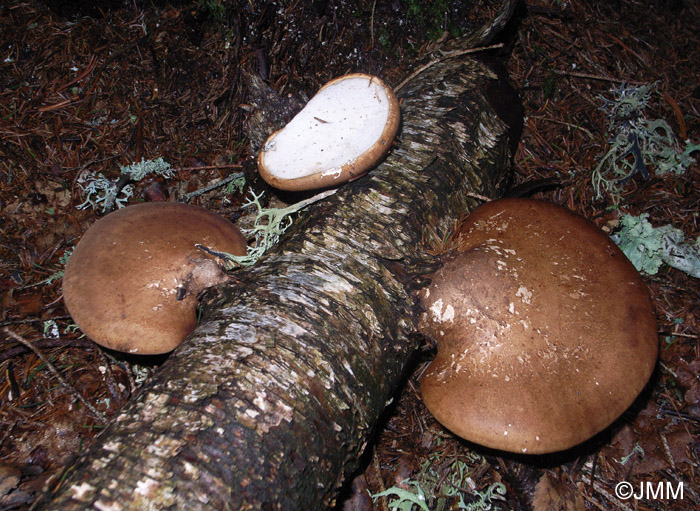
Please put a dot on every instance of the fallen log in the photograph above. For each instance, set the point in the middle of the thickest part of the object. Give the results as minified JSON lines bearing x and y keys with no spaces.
{"x":271,"y":401}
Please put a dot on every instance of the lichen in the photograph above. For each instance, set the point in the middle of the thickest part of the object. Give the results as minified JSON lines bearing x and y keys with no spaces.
{"x":138,"y":170}
{"x":100,"y":190}
{"x":269,"y":225}
{"x":648,"y":247}
{"x":635,"y":142}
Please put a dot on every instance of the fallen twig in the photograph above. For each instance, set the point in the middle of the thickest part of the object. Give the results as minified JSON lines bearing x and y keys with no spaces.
{"x":213,"y":186}
{"x":444,"y":57}
{"x":93,"y":411}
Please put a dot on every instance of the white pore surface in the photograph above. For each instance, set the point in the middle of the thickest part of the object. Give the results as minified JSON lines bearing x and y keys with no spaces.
{"x":340,"y":123}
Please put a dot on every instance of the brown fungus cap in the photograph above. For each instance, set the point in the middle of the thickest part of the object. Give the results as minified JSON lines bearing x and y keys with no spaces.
{"x":132,"y":281}
{"x":546,"y":333}
{"x":341,"y":133}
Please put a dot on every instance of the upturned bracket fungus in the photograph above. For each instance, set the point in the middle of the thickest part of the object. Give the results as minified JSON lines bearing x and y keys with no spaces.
{"x":132,"y":281}
{"x":545,"y":331}
{"x":341,"y":133}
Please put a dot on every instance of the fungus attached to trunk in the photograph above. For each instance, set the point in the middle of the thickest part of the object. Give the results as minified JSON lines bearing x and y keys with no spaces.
{"x":342,"y":132}
{"x":545,"y":331}
{"x":132,"y":281}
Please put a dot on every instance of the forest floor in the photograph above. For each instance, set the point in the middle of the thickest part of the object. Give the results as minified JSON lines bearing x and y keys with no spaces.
{"x":87,"y":87}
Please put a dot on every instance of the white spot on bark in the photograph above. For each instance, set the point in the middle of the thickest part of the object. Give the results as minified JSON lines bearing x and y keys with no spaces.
{"x":146,"y":487}
{"x":80,"y":491}
{"x":111,"y":446}
{"x":101,"y":505}
{"x":260,"y":400}
{"x":347,"y":367}
{"x":190,"y":469}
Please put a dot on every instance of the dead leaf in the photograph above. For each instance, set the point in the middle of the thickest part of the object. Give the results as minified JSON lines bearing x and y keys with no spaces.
{"x":679,"y":442}
{"x":29,"y":303}
{"x":553,"y":495}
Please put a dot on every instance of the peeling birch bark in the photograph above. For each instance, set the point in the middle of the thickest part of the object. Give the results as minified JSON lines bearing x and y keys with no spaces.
{"x":271,"y":401}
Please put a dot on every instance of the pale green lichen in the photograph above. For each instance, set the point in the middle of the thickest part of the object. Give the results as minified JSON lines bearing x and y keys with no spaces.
{"x":405,"y":500}
{"x":442,"y":486}
{"x":236,"y":185}
{"x":137,"y":171}
{"x":648,"y":247}
{"x":635,"y":142}
{"x":637,"y":450}
{"x":51,"y":329}
{"x":269,"y":225}
{"x":63,"y":260}
{"x":100,"y":190}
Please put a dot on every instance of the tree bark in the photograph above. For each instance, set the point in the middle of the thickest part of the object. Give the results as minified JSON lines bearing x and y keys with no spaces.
{"x":271,"y":401}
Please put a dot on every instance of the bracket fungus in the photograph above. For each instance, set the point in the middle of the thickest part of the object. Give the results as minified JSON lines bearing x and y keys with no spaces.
{"x":341,"y":133}
{"x":545,"y":331}
{"x":132,"y":281}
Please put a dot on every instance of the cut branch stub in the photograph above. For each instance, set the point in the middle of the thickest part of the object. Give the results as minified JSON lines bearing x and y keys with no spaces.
{"x":545,"y":331}
{"x":343,"y":131}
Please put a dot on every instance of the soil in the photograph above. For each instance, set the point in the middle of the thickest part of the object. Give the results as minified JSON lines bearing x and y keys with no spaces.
{"x":89,"y":87}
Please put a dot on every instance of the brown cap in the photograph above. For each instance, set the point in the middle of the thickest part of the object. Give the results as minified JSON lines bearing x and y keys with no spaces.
{"x":342,"y":132}
{"x":132,"y":281}
{"x":545,"y":331}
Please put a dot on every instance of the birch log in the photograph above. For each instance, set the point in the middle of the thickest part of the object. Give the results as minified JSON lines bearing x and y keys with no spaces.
{"x":271,"y":401}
